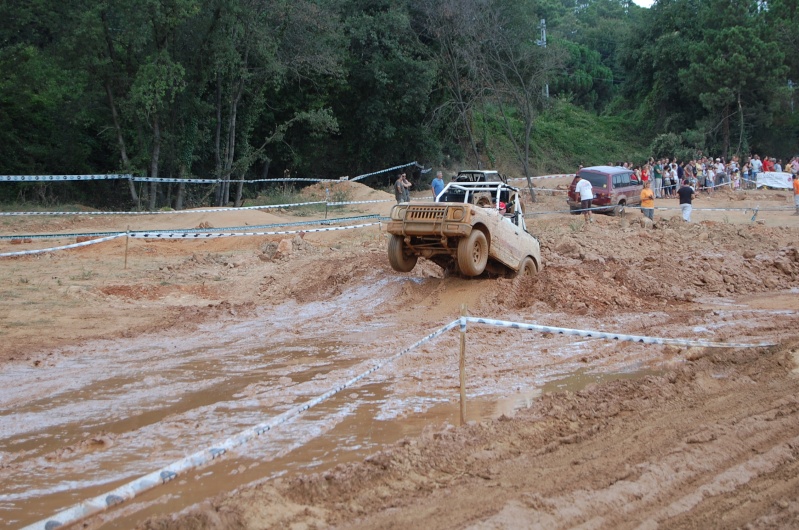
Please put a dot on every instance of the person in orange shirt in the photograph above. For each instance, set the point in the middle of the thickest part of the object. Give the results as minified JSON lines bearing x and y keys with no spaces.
{"x":648,"y":200}
{"x":796,"y":193}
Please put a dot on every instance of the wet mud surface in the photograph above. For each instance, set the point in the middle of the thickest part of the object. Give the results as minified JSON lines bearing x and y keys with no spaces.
{"x":109,"y":373}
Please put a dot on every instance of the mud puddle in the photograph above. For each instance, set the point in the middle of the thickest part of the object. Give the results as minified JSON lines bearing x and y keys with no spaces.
{"x":100,"y":424}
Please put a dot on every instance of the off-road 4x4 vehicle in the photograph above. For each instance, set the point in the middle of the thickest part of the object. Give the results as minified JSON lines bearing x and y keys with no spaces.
{"x":465,"y":229}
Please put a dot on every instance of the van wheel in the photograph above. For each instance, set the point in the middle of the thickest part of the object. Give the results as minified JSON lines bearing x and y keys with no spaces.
{"x":527,"y":268}
{"x":618,"y":210}
{"x":473,"y":253}
{"x":400,"y":261}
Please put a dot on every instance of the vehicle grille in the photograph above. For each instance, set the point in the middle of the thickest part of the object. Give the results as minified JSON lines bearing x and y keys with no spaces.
{"x":425,"y":214}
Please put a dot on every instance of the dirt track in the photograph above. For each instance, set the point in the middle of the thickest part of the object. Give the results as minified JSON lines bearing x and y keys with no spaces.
{"x":109,"y":373}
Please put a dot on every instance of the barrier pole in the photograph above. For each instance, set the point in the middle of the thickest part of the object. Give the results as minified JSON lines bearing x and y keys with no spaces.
{"x":462,"y":363}
{"x":127,"y":241}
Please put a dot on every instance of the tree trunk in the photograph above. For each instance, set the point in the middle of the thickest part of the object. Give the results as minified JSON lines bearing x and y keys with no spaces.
{"x":154,"y":162}
{"x":726,"y":132}
{"x":230,"y":148}
{"x":181,"y":193}
{"x":218,"y":141}
{"x":239,"y":192}
{"x":123,"y":152}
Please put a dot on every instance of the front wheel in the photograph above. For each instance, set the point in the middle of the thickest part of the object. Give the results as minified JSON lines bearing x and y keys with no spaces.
{"x":400,"y":261}
{"x":473,"y":253}
{"x":527,"y":268}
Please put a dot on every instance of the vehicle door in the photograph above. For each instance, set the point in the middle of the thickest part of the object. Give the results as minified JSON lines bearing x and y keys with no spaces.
{"x":509,"y":239}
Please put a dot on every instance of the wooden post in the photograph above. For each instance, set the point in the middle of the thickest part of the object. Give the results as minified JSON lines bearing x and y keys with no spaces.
{"x":462,"y":366}
{"x":127,"y":240}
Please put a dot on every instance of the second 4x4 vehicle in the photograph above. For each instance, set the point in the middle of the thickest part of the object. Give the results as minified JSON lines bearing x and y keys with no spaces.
{"x":614,"y":187}
{"x":471,"y":227}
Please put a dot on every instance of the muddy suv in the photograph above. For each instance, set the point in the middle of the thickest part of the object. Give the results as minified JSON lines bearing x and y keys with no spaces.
{"x":471,"y":227}
{"x":614,"y":187}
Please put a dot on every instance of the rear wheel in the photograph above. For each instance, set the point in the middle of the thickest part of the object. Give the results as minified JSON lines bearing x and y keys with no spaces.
{"x":527,"y":268}
{"x":397,"y":256}
{"x":473,"y":253}
{"x":618,"y":209}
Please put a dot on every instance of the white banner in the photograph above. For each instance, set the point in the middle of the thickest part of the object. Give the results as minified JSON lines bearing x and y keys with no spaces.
{"x":772,"y":179}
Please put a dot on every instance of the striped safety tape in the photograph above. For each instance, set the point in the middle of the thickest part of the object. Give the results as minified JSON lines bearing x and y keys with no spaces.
{"x":218,"y":181}
{"x":65,"y":247}
{"x":212,"y":235}
{"x":186,"y":235}
{"x":223,"y":229}
{"x":613,"y":336}
{"x":546,"y":176}
{"x":127,"y":491}
{"x":361,"y":177}
{"x":59,"y":178}
{"x":162,"y":212}
{"x":203,"y":210}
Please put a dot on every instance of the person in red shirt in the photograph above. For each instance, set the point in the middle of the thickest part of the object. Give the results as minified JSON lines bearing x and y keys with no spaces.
{"x":768,"y":164}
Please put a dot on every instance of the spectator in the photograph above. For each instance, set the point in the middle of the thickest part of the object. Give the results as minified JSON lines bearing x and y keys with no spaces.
{"x":757,"y":167}
{"x":686,"y":194}
{"x":658,"y":173}
{"x":778,"y":166}
{"x":796,"y":193}
{"x":768,"y":164}
{"x":586,"y":192}
{"x":648,"y":201}
{"x":438,"y":184}
{"x":721,"y":172}
{"x":401,"y":191}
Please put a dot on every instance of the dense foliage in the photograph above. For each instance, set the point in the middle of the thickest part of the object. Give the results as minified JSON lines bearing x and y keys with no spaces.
{"x":241,"y":89}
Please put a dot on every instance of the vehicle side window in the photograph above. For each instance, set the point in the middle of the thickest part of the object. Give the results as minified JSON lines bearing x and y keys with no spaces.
{"x":625,"y":179}
{"x":616,"y":181}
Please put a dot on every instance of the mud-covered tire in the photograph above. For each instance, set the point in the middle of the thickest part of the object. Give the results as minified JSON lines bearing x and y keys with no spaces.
{"x":618,"y":210}
{"x":400,"y":261}
{"x":527,"y":268}
{"x":473,"y":253}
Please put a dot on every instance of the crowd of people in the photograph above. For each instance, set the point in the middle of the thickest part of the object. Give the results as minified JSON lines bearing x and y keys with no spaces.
{"x":667,"y":178}
{"x":707,"y":173}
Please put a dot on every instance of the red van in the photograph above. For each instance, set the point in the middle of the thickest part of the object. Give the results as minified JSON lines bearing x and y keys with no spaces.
{"x":614,"y":187}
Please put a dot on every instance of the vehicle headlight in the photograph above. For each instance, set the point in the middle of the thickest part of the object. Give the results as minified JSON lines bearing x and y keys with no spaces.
{"x":455,"y":214}
{"x":398,"y":213}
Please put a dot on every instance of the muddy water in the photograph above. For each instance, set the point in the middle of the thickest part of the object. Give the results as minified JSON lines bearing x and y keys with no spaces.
{"x":119,"y":411}
{"x":94,"y":428}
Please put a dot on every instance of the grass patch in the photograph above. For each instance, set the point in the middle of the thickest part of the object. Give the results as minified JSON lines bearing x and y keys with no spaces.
{"x":564,"y":136}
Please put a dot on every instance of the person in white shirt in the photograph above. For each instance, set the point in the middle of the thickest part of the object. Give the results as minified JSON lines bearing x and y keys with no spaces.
{"x":757,"y":167}
{"x":585,"y":189}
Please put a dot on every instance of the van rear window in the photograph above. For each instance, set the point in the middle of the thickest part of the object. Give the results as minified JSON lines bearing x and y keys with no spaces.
{"x":597,"y":181}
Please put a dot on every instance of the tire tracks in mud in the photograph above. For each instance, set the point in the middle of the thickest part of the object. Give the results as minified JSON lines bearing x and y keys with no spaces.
{"x":712,"y":443}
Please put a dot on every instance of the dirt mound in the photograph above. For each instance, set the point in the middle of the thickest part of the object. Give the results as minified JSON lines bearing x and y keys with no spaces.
{"x":344,"y":190}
